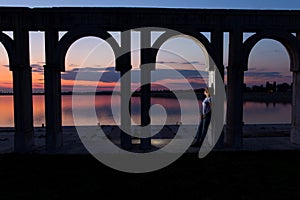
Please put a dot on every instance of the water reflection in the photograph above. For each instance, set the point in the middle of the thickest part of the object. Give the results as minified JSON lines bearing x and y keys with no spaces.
{"x":254,"y":112}
{"x":6,"y":109}
{"x":264,"y":113}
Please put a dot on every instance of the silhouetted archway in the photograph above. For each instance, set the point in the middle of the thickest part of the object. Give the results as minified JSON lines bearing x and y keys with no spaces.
{"x":289,"y":41}
{"x":71,"y":36}
{"x":267,"y":94}
{"x":93,"y":57}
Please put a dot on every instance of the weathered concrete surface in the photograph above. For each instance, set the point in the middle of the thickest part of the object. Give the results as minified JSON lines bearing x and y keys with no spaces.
{"x":256,"y":138}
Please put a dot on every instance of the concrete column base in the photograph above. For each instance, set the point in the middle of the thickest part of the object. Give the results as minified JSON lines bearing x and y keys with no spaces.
{"x":295,"y":135}
{"x":234,"y":121}
{"x":53,"y":115}
{"x":23,"y":111}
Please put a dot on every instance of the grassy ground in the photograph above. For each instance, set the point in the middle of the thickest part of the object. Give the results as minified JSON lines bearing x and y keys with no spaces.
{"x":234,"y":175}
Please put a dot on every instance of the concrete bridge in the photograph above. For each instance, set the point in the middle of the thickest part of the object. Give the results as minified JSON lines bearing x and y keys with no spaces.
{"x":282,"y":26}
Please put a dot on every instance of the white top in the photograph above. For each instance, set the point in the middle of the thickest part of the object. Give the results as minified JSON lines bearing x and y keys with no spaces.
{"x":206,"y":108}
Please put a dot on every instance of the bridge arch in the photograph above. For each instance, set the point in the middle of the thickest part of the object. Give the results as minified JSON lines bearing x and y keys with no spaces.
{"x":8,"y":44}
{"x":292,"y":45}
{"x":55,"y":65}
{"x":289,"y":41}
{"x":209,"y":56}
{"x":198,"y":38}
{"x":71,"y":36}
{"x":7,"y":106}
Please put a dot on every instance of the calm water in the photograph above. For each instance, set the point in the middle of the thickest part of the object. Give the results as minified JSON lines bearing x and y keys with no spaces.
{"x":254,"y":113}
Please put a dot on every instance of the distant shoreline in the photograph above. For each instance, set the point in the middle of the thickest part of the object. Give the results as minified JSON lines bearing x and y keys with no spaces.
{"x":267,"y":97}
{"x":276,"y":97}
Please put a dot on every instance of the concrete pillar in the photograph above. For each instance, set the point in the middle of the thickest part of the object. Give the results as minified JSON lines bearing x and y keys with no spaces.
{"x":22,"y":86}
{"x":126,"y":142}
{"x":235,"y":80}
{"x":295,"y":129}
{"x":53,"y":115}
{"x":145,"y":106}
{"x":123,"y":64}
{"x":217,"y":38}
{"x":148,"y":58}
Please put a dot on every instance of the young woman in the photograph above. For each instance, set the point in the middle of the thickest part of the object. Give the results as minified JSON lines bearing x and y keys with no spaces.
{"x":205,"y":118}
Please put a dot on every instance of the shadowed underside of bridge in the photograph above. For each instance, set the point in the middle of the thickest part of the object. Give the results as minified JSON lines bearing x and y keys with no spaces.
{"x":282,"y":26}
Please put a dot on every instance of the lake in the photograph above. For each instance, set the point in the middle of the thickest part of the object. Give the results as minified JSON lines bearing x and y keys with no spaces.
{"x":254,"y":112}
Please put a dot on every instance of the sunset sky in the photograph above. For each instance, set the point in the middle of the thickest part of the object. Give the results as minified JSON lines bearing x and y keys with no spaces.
{"x":268,"y":61}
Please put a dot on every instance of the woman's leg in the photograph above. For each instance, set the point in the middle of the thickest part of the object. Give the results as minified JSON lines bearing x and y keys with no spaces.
{"x":199,"y":132}
{"x":206,"y":122}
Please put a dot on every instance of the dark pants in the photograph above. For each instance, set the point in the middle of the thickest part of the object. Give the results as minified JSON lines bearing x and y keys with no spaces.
{"x":202,"y":128}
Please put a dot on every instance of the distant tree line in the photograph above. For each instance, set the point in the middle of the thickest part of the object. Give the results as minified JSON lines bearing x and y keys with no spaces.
{"x":269,"y":87}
